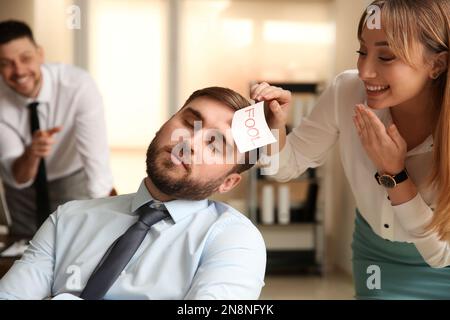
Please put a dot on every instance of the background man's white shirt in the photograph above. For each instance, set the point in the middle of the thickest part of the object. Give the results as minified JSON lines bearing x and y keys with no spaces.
{"x":69,"y":98}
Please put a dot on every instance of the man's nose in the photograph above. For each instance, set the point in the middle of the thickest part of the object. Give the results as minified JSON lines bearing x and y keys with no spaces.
{"x":184,"y":146}
{"x":187,"y":147}
{"x":197,"y":141}
{"x":19,"y":69}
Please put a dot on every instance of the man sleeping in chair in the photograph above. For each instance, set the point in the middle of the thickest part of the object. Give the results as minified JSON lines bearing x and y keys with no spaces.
{"x":167,"y":240}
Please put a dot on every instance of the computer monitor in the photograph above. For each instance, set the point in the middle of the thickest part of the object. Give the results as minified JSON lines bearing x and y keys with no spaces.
{"x":5,"y":217}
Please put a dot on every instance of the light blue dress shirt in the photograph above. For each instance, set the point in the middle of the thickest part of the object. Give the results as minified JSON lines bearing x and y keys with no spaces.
{"x":204,"y":250}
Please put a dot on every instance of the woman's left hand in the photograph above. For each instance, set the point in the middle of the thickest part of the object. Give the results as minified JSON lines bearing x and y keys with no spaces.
{"x":384,"y":146}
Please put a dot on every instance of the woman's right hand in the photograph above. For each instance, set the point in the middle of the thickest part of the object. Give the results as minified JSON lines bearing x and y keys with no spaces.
{"x":278,"y":101}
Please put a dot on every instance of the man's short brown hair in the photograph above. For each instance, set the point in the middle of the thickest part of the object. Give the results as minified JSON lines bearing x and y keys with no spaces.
{"x":13,"y":29}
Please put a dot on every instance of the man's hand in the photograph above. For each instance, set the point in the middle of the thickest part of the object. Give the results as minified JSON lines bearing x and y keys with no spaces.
{"x":25,"y":167}
{"x":384,"y":146}
{"x":42,"y":142}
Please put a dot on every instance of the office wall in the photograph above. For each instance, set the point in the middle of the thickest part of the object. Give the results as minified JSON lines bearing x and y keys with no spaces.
{"x":128,"y":57}
{"x":51,"y":30}
{"x":18,"y":9}
{"x":47,"y":18}
{"x":232,"y":43}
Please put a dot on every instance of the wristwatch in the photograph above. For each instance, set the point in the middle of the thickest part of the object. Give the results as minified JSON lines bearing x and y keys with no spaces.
{"x":388,"y":181}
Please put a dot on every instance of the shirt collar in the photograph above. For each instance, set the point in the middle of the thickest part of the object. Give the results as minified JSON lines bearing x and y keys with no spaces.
{"x":178,"y":209}
{"x":46,"y":89}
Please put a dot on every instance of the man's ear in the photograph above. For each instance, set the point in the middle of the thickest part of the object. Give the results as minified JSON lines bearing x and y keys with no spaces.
{"x":231,"y":181}
{"x":439,"y":65}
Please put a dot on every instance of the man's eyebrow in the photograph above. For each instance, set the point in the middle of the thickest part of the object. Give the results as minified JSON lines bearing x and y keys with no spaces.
{"x":196,"y":113}
{"x":199,"y":115}
{"x":24,"y":53}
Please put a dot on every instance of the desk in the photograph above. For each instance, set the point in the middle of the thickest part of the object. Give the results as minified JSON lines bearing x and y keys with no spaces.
{"x":6,"y":263}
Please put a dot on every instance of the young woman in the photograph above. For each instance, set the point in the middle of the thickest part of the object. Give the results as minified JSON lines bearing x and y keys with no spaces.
{"x":391,"y":118}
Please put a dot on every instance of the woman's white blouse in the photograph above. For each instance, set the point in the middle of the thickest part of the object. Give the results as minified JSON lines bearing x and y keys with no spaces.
{"x":331,"y":121}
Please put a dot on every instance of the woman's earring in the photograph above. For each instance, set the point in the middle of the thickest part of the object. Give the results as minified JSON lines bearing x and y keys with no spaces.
{"x":435,"y":76}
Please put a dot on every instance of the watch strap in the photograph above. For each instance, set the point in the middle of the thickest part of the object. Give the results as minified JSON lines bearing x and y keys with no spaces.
{"x":399,"y":177}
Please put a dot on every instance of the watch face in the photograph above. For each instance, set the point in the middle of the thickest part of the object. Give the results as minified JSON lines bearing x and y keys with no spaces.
{"x":387,"y":181}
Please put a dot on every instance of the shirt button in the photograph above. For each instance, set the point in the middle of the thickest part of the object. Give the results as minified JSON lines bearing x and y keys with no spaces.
{"x":386,"y":226}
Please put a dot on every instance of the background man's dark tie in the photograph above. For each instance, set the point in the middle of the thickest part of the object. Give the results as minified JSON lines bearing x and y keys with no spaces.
{"x":120,"y":253}
{"x":40,"y":182}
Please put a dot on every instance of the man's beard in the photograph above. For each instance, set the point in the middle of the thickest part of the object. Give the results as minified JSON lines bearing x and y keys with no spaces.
{"x":180,"y":188}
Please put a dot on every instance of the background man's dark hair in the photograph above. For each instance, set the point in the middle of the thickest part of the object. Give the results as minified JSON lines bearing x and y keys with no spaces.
{"x":13,"y":29}
{"x":235,"y":101}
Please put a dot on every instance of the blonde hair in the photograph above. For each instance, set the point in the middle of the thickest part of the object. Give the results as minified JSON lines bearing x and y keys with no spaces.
{"x":407,"y":24}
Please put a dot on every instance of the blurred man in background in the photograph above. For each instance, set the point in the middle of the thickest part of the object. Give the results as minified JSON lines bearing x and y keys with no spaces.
{"x":53,"y":145}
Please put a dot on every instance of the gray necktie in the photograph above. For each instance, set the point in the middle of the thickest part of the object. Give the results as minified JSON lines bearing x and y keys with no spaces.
{"x":120,"y":253}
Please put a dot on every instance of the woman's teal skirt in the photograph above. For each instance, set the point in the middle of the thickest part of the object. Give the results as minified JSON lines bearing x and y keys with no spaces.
{"x":384,"y":269}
